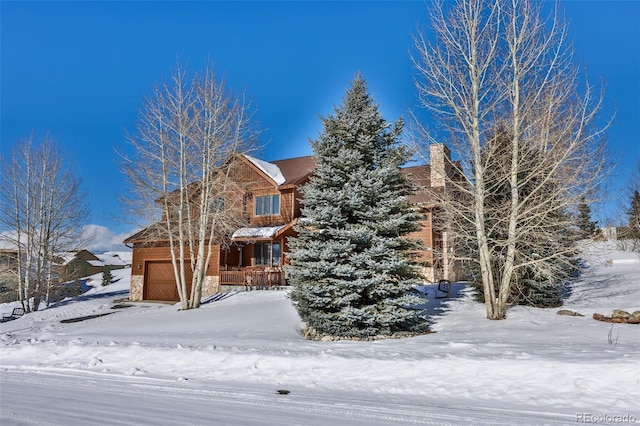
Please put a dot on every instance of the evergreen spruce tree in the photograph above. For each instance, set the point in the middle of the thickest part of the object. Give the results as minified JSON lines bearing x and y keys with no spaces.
{"x":107,"y":277}
{"x":353,"y":269}
{"x":634,"y":215}
{"x":585,"y":226}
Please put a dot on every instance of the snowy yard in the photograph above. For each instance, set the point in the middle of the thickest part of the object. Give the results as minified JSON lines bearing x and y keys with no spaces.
{"x":153,"y":364}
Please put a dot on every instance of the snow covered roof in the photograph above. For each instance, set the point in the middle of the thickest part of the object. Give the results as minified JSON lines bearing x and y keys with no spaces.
{"x":269,"y":169}
{"x":66,"y":257}
{"x":116,"y":257}
{"x":109,"y":259}
{"x":261,"y":232}
{"x":104,"y":259}
{"x":6,"y":245}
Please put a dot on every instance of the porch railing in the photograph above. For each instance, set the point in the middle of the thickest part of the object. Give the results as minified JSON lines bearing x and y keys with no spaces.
{"x":252,"y":278}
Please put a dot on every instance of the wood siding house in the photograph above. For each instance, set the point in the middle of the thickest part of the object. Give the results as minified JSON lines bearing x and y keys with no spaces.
{"x":8,"y":270}
{"x":270,"y":202}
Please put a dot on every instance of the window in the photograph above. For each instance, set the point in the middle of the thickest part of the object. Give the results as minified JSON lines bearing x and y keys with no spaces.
{"x":268,"y":205}
{"x":275,"y":254}
{"x":217,"y":205}
{"x":263,"y":253}
{"x":174,"y":210}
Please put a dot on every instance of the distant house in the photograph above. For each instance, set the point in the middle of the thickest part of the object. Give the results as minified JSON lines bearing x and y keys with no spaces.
{"x":8,"y":260}
{"x":272,"y":206}
{"x":619,"y":233}
{"x":83,"y":263}
{"x":8,"y":268}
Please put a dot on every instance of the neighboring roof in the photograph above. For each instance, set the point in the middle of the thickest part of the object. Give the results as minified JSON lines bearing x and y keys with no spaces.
{"x":66,"y":257}
{"x":268,"y":169}
{"x":105,"y":259}
{"x":112,"y":259}
{"x":8,"y":241}
{"x":296,"y":169}
{"x":123,"y":256}
{"x":86,"y":255}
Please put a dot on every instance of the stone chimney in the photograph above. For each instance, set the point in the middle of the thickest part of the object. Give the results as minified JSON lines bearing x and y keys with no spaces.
{"x":440,"y":164}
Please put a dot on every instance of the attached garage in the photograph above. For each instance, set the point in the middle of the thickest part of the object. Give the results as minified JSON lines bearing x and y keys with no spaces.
{"x":160,"y":282}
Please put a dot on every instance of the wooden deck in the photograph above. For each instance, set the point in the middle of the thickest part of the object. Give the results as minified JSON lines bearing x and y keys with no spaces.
{"x":264,"y":278}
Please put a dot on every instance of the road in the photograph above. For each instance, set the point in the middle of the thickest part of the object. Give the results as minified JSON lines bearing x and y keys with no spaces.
{"x":70,"y":397}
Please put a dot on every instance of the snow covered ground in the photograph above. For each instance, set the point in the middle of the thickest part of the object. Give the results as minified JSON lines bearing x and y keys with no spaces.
{"x":223,"y":364}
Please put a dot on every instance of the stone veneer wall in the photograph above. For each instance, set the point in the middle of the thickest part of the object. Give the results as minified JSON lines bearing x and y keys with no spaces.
{"x":429,"y":274}
{"x":137,"y":284}
{"x":440,"y":159}
{"x":211,"y":285}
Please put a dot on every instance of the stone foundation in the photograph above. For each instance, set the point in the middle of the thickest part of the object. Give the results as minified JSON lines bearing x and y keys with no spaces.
{"x":210,"y":286}
{"x":429,"y":274}
{"x":137,"y":286}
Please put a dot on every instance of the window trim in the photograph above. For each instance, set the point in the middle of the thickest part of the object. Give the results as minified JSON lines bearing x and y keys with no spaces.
{"x":259,"y":205}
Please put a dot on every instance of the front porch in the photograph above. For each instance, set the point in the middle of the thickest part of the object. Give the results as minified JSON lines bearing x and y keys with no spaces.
{"x":253,"y":277}
{"x":255,"y":258}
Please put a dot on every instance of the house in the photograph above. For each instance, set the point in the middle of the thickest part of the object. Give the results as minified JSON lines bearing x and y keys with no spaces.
{"x":8,"y":260}
{"x":8,"y":274}
{"x":66,"y":267}
{"x":82,"y":263}
{"x":271,"y":203}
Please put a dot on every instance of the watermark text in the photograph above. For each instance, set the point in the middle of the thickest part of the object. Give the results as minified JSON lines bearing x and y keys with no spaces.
{"x":605,"y":418}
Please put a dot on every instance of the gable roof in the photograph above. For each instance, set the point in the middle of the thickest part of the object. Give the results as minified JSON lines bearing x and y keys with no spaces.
{"x":296,"y":169}
{"x":269,"y":169}
{"x":288,"y":171}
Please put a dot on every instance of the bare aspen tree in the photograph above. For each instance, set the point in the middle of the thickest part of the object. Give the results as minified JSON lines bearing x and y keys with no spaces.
{"x":188,"y":134}
{"x":43,"y":210}
{"x":499,"y":77}
{"x":629,"y":237}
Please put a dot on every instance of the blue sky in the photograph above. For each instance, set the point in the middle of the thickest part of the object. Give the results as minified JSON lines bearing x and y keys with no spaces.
{"x":80,"y":69}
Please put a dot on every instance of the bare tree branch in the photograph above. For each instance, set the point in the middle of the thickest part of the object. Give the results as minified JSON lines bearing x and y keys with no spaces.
{"x":189,"y":134}
{"x":43,"y":210}
{"x":499,"y":77}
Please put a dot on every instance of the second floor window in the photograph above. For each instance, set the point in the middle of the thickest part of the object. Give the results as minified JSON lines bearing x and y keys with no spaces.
{"x":175,"y":211}
{"x":267,"y":205}
{"x":217,"y":205}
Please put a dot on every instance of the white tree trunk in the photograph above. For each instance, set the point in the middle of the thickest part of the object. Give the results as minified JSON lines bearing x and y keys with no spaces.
{"x":502,"y":66}
{"x":43,"y":209}
{"x":189,"y":135}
